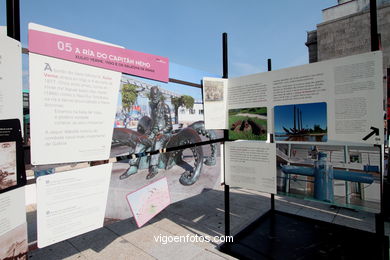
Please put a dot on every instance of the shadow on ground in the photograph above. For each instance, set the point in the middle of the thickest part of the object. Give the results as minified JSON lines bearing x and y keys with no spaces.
{"x":201,"y":215}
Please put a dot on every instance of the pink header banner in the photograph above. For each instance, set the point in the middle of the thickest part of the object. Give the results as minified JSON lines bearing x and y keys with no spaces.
{"x":99,"y":55}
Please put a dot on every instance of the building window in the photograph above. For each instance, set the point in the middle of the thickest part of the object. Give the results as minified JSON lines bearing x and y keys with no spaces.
{"x":200,"y":111}
{"x":192,"y":111}
{"x":182,"y":111}
{"x":355,"y":158}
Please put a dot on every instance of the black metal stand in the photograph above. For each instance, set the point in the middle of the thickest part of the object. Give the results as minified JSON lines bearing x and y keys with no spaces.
{"x":269,"y":64}
{"x":13,"y":19}
{"x":374,"y":26}
{"x":379,"y":218}
{"x":226,"y":137}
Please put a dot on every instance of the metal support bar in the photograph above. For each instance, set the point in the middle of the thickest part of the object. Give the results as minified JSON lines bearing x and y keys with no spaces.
{"x":374,"y":26}
{"x":13,"y":19}
{"x":226,"y":135}
{"x":379,"y":218}
{"x":269,"y":63}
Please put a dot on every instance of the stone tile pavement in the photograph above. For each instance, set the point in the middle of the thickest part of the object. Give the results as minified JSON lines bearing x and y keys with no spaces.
{"x":199,"y":215}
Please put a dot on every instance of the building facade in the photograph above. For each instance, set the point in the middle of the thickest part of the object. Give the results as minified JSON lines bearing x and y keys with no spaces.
{"x":345,"y":31}
{"x":188,"y":116}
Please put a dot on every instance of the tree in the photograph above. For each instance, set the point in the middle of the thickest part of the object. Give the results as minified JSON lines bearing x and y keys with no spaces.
{"x":129,"y":97}
{"x":184,"y":100}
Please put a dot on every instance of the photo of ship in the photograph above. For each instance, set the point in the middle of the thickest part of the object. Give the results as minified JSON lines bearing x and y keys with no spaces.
{"x":301,"y":122}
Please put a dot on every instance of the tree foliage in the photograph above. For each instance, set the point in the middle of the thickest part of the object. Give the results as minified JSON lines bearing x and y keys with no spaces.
{"x":188,"y":101}
{"x":129,"y":96}
{"x":185,"y":101}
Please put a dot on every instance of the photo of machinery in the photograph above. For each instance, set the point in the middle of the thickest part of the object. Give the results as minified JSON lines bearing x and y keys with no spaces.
{"x":342,"y":175}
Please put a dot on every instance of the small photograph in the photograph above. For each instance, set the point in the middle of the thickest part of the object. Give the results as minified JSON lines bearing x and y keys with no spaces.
{"x":8,"y":176}
{"x":13,"y":245}
{"x":248,"y":123}
{"x":301,"y":122}
{"x":213,"y":91}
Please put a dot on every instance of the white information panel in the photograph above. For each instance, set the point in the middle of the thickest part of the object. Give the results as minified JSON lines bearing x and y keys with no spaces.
{"x":72,"y":110}
{"x":215,"y":102}
{"x":337,"y":100}
{"x":251,"y":165}
{"x":71,"y":203}
{"x":11,"y":96}
{"x":72,"y":107}
{"x":12,"y":210}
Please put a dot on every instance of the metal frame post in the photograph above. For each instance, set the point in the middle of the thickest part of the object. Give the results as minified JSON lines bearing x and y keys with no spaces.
{"x":13,"y":19}
{"x":374,"y":26}
{"x":226,"y":137}
{"x":269,"y":64}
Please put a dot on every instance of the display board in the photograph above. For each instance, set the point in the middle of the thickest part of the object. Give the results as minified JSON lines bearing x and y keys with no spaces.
{"x":12,"y":169}
{"x":13,"y":226}
{"x":335,"y":100}
{"x":11,"y":100}
{"x":71,"y":203}
{"x":324,"y":117}
{"x":150,"y":115}
{"x":148,"y":201}
{"x":76,"y":105}
{"x":13,"y":210}
{"x":242,"y":164}
{"x":72,"y":107}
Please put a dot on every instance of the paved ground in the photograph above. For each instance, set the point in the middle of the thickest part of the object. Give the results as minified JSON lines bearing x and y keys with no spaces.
{"x":199,"y":215}
{"x":117,"y":207}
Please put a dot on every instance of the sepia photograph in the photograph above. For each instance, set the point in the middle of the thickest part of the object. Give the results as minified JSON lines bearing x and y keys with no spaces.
{"x":13,"y":245}
{"x":213,"y":91}
{"x":7,"y":165}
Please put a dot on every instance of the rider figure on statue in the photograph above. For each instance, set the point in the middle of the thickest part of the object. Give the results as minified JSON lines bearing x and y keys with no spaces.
{"x":159,"y":135}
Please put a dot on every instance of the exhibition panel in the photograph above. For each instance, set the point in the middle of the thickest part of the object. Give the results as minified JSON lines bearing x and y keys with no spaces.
{"x":335,"y":100}
{"x":327,"y":121}
{"x":117,"y":133}
{"x":71,"y":203}
{"x":147,"y":127}
{"x":334,"y":107}
{"x":11,"y":105}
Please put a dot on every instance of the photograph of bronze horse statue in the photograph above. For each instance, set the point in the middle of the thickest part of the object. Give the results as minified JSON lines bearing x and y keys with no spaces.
{"x":155,"y":133}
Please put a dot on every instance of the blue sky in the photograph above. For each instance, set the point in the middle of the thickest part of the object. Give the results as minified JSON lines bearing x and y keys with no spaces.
{"x":189,"y":32}
{"x":312,"y":113}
